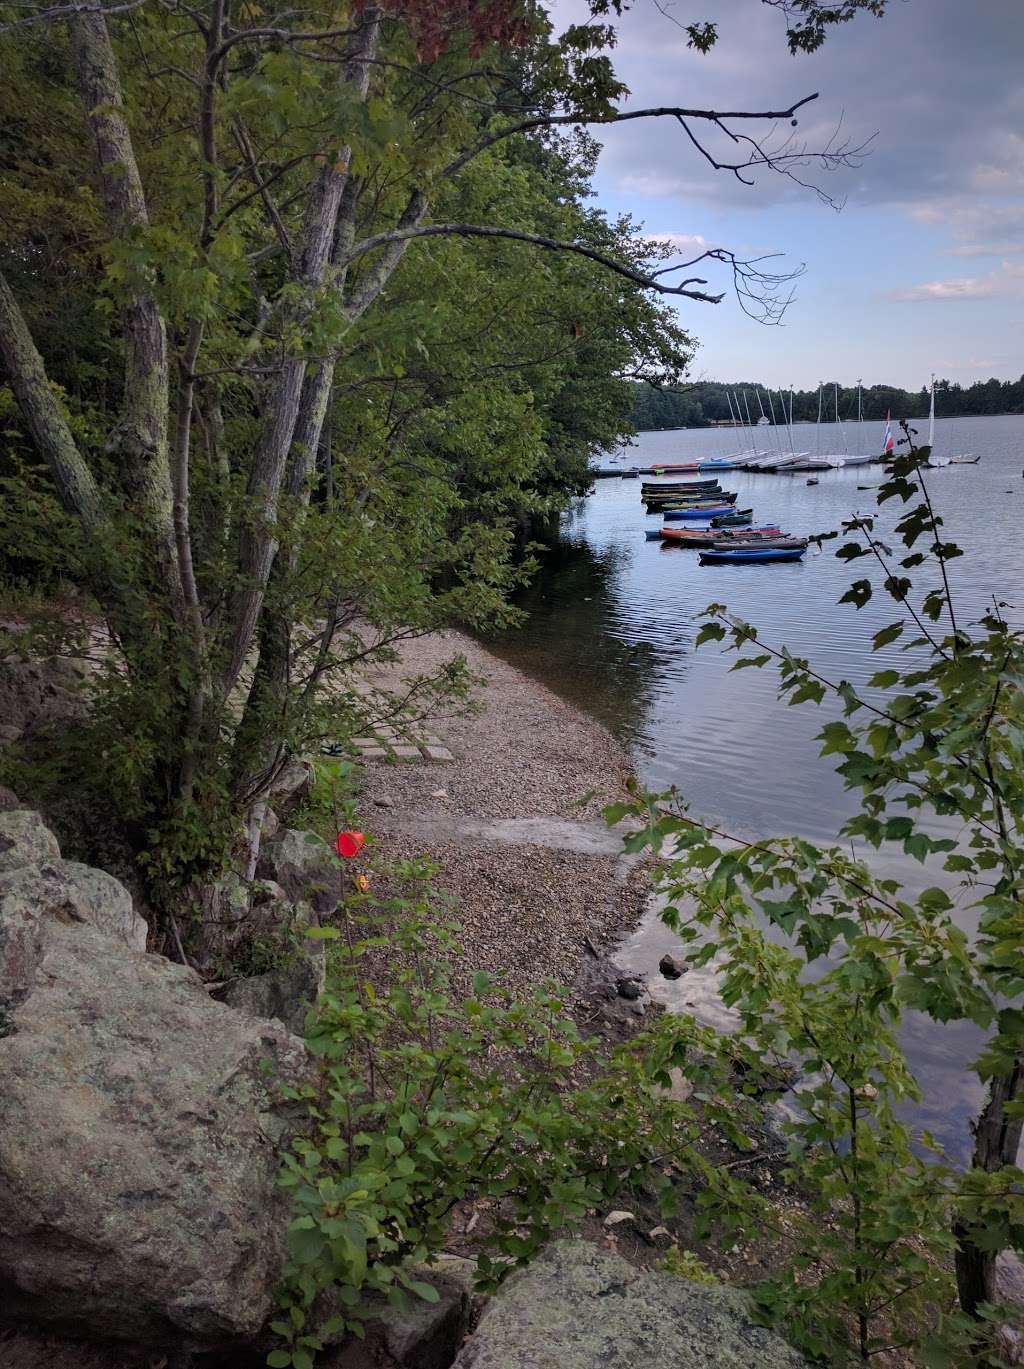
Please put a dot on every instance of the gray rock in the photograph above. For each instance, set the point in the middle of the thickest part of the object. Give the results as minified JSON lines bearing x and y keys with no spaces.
{"x":580,"y":1307}
{"x":66,"y":892}
{"x":630,"y":989}
{"x":292,"y":786}
{"x":286,"y":993}
{"x":8,"y":799}
{"x":241,"y":920}
{"x":139,"y":1140}
{"x":420,"y":1335}
{"x":25,"y":840}
{"x":672,"y":968}
{"x":301,"y":863}
{"x":103,"y":901}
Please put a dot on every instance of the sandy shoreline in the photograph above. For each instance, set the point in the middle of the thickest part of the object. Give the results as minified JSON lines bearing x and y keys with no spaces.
{"x":530,"y":894}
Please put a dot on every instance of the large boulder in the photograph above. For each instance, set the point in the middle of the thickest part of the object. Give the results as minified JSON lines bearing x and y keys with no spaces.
{"x":25,"y":840}
{"x":301,"y":863}
{"x":139,"y":1136}
{"x":579,"y":1307}
{"x":71,"y":892}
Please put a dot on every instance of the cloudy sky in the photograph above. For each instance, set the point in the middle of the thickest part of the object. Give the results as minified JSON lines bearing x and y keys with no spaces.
{"x":923,"y":269}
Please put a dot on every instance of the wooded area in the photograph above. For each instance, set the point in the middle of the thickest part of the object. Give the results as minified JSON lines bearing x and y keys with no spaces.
{"x":704,"y":402}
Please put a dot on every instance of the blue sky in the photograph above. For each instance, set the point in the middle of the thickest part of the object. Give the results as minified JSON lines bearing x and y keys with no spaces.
{"x":923,"y":269}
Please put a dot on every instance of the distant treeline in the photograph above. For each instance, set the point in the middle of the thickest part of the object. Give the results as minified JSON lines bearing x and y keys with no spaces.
{"x":703,"y":403}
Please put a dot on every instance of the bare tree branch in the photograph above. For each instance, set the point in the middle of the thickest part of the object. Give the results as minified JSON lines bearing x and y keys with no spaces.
{"x":626,"y":116}
{"x":471,"y":230}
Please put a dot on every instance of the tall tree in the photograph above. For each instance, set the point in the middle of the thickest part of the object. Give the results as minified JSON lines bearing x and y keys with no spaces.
{"x":255,"y":185}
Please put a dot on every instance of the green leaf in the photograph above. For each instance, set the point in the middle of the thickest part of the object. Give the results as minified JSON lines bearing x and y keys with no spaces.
{"x":426,"y":1291}
{"x":886,"y":635}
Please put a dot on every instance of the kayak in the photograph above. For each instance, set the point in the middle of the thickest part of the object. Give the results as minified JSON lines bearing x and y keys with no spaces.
{"x":713,"y":537}
{"x":706,"y":513}
{"x":672,"y":515}
{"x":747,"y":556}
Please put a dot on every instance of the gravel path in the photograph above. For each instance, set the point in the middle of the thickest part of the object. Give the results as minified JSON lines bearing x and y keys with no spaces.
{"x":528,"y":907}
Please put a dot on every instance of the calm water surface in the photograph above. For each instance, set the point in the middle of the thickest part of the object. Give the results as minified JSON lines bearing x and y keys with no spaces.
{"x":612,"y":621}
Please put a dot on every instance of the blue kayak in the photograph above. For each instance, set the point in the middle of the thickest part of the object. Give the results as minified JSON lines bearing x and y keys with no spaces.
{"x":748,"y":556}
{"x":711,"y":511}
{"x":703,"y":511}
{"x":653,"y":536}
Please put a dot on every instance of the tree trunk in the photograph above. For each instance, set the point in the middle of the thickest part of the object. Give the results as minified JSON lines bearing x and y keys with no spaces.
{"x":258,"y":542}
{"x":996,"y":1143}
{"x":139,"y":439}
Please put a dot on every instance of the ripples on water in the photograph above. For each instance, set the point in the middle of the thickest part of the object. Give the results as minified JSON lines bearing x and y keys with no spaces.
{"x":613,"y":620}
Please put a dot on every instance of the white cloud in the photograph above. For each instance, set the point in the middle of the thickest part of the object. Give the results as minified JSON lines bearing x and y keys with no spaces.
{"x":986,"y":249}
{"x":1005,"y":283}
{"x":973,"y":287}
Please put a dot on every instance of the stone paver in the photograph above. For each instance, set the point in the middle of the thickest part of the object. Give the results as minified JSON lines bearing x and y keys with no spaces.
{"x":436,"y":752}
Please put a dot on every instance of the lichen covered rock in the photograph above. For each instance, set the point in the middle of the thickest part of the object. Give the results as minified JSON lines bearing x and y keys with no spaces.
{"x":25,"y":840}
{"x":139,"y":1132}
{"x":579,"y":1307}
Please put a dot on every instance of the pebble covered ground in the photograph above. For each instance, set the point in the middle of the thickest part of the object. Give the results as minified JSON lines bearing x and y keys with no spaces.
{"x":526,"y":911}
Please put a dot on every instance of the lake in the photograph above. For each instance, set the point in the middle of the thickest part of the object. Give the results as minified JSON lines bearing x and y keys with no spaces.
{"x":612,"y":622}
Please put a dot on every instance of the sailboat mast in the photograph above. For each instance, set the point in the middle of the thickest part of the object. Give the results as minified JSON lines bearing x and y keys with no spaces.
{"x":931,"y":416}
{"x":750,"y":424}
{"x":846,"y":449}
{"x":860,"y":419}
{"x":817,"y":430}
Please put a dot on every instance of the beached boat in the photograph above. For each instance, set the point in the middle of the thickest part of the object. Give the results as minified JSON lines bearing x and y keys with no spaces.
{"x":732,"y":520}
{"x":748,"y":556}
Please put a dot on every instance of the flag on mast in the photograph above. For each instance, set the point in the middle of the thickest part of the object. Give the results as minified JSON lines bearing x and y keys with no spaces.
{"x":887,"y":445}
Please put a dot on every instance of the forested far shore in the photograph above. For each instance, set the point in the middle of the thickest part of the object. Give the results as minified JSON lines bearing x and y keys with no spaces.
{"x":707,"y":402}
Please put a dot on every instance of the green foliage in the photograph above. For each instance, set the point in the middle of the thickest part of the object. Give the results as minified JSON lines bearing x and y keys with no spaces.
{"x":819,"y":958}
{"x":687,"y":1265}
{"x":420,"y":1100}
{"x":696,"y":404}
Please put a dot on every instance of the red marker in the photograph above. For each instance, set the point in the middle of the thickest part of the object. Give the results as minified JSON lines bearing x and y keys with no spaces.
{"x":349,"y":844}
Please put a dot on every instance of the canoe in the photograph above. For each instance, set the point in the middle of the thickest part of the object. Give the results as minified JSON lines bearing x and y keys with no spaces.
{"x":732,"y":520}
{"x":653,"y":534}
{"x":750,"y":556}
